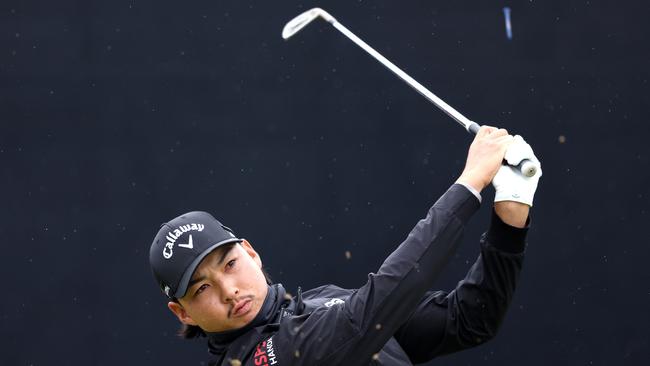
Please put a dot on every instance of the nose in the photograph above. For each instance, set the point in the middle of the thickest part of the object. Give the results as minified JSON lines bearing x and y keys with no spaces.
{"x":229,"y":292}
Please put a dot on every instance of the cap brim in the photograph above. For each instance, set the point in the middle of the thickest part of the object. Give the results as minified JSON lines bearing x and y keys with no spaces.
{"x":189,"y":271}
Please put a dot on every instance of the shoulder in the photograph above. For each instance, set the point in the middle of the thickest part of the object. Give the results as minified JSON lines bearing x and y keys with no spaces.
{"x":326,"y":296}
{"x":326,"y":291}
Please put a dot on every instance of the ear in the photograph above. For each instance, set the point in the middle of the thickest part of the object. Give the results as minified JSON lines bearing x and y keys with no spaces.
{"x":249,"y":249}
{"x":180,"y":313}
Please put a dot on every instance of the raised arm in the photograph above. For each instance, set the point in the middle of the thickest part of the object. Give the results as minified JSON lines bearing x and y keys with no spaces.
{"x":351,"y":332}
{"x":472,"y":313}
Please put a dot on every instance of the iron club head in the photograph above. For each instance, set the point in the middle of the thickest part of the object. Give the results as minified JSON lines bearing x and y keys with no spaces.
{"x":299,"y":22}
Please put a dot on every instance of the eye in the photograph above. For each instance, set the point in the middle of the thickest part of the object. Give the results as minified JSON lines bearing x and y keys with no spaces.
{"x":200,"y":289}
{"x":231,"y":263}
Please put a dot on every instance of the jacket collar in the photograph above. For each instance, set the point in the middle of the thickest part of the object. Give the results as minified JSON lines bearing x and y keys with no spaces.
{"x":276,"y":306}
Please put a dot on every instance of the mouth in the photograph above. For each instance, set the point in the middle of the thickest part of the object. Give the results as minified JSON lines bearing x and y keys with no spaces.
{"x":242,"y":308}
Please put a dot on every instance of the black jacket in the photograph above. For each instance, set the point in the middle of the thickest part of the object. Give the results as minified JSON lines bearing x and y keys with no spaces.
{"x":392,"y":319}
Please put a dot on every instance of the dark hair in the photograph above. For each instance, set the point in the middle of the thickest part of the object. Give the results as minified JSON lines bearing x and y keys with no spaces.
{"x":192,"y":331}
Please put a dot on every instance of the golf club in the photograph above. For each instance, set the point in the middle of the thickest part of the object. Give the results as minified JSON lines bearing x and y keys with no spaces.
{"x":526,"y":167}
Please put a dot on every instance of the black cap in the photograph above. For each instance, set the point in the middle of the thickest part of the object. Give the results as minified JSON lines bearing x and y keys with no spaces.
{"x":179,"y":247}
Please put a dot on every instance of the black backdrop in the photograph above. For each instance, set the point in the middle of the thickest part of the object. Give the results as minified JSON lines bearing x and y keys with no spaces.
{"x":118,"y":115}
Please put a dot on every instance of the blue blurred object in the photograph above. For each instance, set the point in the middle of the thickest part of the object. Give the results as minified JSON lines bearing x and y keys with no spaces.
{"x":506,"y":14}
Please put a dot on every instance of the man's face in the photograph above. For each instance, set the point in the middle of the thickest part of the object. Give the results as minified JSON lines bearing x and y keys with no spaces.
{"x":226,"y":291}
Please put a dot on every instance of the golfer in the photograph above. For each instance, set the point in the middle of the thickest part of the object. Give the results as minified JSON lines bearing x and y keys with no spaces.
{"x":216,"y":285}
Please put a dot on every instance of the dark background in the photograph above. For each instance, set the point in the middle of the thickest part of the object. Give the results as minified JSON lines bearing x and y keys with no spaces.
{"x":118,"y":115}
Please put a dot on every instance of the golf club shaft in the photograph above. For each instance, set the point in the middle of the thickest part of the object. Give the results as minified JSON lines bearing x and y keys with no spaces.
{"x":449,"y":110}
{"x":526,"y":167}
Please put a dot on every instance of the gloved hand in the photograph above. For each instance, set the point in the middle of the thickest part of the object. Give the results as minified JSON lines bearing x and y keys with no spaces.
{"x":509,"y":183}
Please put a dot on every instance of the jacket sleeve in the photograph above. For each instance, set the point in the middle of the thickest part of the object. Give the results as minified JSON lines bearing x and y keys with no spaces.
{"x":351,"y":332}
{"x":472,"y":313}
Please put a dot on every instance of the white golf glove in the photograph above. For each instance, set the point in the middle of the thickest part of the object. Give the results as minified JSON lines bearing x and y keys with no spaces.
{"x":509,"y":183}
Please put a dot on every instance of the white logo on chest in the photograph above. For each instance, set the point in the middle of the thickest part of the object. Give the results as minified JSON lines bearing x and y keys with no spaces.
{"x":333,"y":302}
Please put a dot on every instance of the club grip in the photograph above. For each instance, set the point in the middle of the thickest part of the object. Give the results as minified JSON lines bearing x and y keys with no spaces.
{"x":473,"y":128}
{"x":527,"y":168}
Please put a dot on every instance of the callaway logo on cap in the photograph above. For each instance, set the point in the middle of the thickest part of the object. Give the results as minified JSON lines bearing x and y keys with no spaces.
{"x":171,"y":237}
{"x":179,"y":247}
